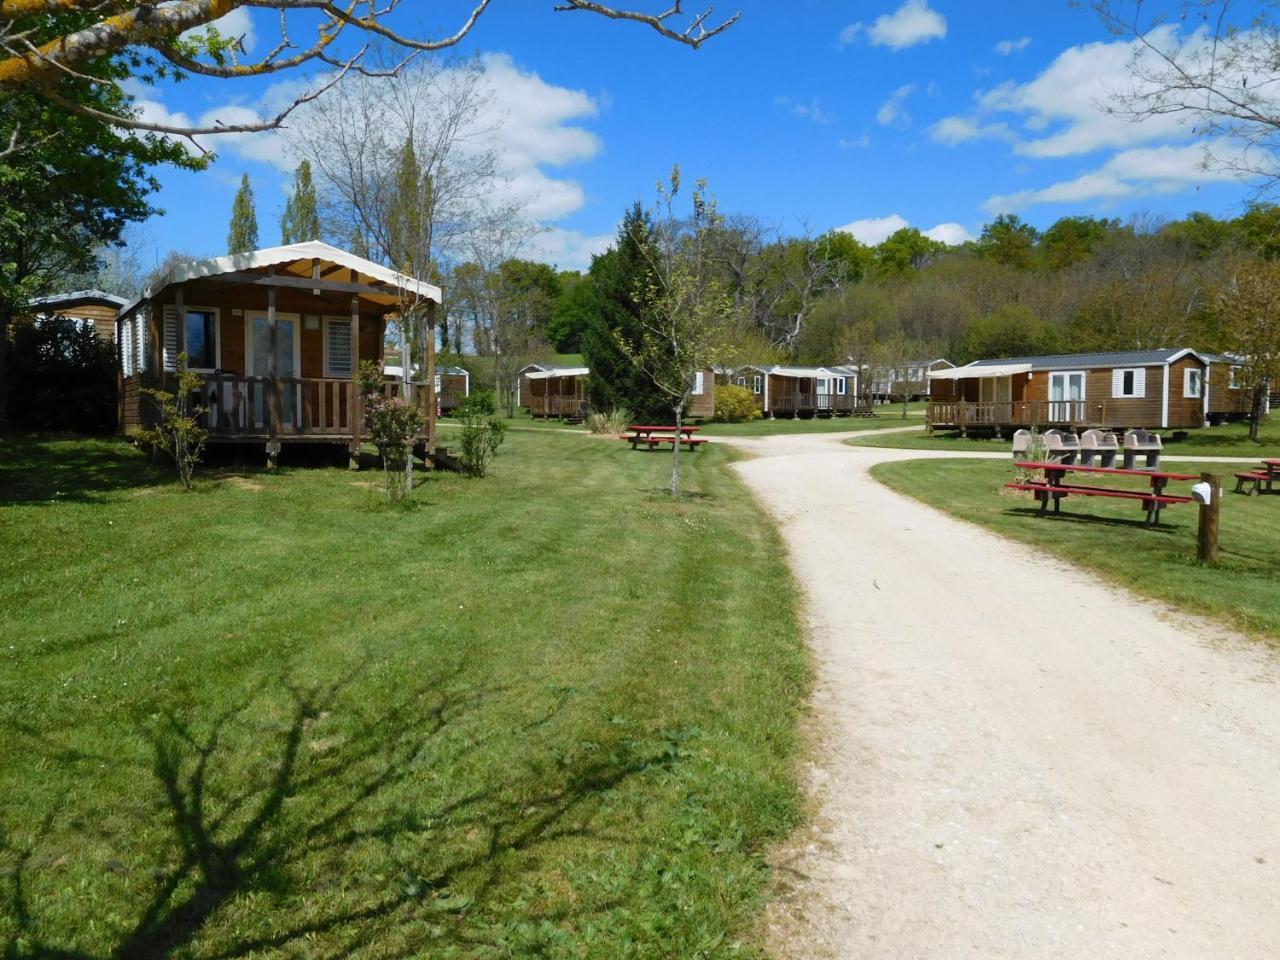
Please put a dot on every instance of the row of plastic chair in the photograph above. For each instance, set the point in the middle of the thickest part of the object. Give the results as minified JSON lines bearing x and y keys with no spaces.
{"x":1100,"y":447}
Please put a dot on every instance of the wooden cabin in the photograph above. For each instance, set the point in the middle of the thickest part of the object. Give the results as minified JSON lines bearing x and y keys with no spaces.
{"x":782,"y":391}
{"x":277,"y":336}
{"x":1155,"y":389}
{"x":550,"y":391}
{"x":95,"y":308}
{"x":885,"y":382}
{"x":453,"y":385}
{"x":702,"y":396}
{"x":1228,"y":401}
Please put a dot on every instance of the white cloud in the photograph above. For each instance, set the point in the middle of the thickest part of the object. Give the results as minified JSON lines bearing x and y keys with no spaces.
{"x":1008,"y":47}
{"x":1143,"y":171}
{"x":567,"y":249}
{"x":952,"y":234}
{"x":812,"y":110}
{"x":955,"y":130}
{"x":912,"y":23}
{"x":893,"y":110}
{"x":876,"y":230}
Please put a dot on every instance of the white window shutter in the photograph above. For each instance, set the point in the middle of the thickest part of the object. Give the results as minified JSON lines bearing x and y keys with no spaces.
{"x":1117,"y":384}
{"x":141,"y":321}
{"x":338,"y":347}
{"x":126,"y":346}
{"x":1140,"y":383}
{"x":698,"y":383}
{"x":170,"y":340}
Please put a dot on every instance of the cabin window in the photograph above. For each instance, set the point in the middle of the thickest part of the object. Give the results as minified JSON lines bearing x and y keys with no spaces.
{"x":1128,"y":383}
{"x":126,"y":347}
{"x":742,"y":381}
{"x":1234,"y":382}
{"x":698,"y":383}
{"x":842,"y":385}
{"x":202,"y":339}
{"x":757,"y":384}
{"x":1192,"y":382}
{"x":337,"y":347}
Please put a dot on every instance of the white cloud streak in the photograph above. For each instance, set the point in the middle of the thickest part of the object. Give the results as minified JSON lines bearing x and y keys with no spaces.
{"x":876,"y":230}
{"x":912,"y":23}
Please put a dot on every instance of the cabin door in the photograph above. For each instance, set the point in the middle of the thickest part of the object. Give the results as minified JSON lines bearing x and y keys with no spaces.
{"x":257,"y":331}
{"x":1066,"y":397}
{"x":824,"y":393}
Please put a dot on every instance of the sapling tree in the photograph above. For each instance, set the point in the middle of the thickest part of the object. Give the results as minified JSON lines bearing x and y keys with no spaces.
{"x":177,"y":430}
{"x":1250,"y":307}
{"x":392,"y":423}
{"x":685,"y":308}
{"x":482,"y":432}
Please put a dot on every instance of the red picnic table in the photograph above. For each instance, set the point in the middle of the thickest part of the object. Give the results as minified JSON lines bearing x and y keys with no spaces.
{"x":1260,"y":478}
{"x":1054,"y":486}
{"x":653,"y":436}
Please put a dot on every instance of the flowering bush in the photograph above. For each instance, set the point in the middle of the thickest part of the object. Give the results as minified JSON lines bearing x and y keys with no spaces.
{"x":392,"y":423}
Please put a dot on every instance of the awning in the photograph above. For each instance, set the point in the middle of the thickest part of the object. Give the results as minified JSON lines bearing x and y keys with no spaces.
{"x":561,"y":372}
{"x":980,"y":372}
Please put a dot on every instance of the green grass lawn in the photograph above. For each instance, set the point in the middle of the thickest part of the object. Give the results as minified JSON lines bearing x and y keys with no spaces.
{"x":550,"y":713}
{"x":1229,"y":440}
{"x":1108,"y":536}
{"x":891,"y":416}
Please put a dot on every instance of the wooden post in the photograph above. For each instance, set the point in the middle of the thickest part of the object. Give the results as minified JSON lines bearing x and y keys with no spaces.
{"x":431,"y":381}
{"x":356,"y":409}
{"x":273,"y":380}
{"x":1210,"y":514}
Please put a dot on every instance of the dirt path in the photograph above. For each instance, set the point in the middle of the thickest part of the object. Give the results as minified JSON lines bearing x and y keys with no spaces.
{"x":1014,"y":758}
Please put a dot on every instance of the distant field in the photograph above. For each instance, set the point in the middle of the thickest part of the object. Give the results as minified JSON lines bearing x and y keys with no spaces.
{"x":1108,"y":536}
{"x":1229,"y":440}
{"x":550,"y":713}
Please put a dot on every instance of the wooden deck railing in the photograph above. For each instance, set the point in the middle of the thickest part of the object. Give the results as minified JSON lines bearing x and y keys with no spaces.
{"x":1044,"y":413}
{"x":812,"y":402}
{"x":557,"y":406}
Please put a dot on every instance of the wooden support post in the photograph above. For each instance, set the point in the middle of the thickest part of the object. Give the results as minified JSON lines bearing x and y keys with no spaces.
{"x":432,"y":400}
{"x":356,"y":409}
{"x":1210,"y":513}
{"x":273,"y":381}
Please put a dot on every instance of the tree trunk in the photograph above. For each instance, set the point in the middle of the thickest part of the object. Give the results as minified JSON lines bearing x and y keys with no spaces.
{"x":675,"y":452}
{"x":1259,"y":408}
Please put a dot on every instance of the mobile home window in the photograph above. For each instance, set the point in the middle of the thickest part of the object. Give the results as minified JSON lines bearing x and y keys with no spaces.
{"x":1129,"y":383}
{"x":1191,"y":382}
{"x":1234,"y":383}
{"x":757,"y":384}
{"x":337,"y":347}
{"x":202,"y":339}
{"x":742,"y":381}
{"x":842,"y":385}
{"x":698,"y":383}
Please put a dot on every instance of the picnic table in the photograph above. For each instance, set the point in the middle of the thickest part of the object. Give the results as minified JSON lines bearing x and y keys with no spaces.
{"x":1054,"y":486}
{"x":652,"y":437}
{"x":1260,"y":478}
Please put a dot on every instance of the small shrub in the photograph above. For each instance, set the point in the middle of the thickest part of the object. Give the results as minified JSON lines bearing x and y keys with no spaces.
{"x":178,"y":431}
{"x":736,"y":404}
{"x":482,"y":433}
{"x":609,"y":421}
{"x":392,"y":423}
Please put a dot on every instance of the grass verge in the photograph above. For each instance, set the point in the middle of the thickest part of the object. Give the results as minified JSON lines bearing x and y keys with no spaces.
{"x":1107,"y":536}
{"x":550,"y":713}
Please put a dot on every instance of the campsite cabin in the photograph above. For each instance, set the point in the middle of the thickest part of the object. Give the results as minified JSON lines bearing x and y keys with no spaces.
{"x":453,"y":385}
{"x":886,"y":382}
{"x":702,"y":396}
{"x":801,"y":391}
{"x":277,"y":336}
{"x":93,"y":308}
{"x":1227,"y":399}
{"x":550,"y":391}
{"x":1154,"y":389}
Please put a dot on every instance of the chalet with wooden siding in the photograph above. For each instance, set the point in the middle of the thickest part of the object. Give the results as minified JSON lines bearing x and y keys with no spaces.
{"x":884,"y":382}
{"x":551,"y":391}
{"x":800,"y":391}
{"x":277,"y":336}
{"x":1155,"y":389}
{"x":453,"y":385}
{"x":1227,"y":399}
{"x":95,"y":308}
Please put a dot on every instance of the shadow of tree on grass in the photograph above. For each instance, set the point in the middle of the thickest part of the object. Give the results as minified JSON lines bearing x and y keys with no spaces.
{"x":332,"y":847}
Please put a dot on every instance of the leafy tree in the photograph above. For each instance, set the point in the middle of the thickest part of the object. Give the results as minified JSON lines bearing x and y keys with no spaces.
{"x":1259,"y":230}
{"x":64,"y":377}
{"x":1199,"y":235}
{"x":72,"y":189}
{"x":177,"y":430}
{"x":1009,"y":241}
{"x":905,"y":250}
{"x":618,"y":275}
{"x":850,"y":260}
{"x":242,"y":236}
{"x":1072,"y":240}
{"x":1010,"y":331}
{"x":1250,"y":305}
{"x":573,"y":311}
{"x":301,"y":221}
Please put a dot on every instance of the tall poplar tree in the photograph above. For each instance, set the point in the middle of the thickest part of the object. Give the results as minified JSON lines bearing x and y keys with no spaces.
{"x":243,"y":235}
{"x":300,"y":221}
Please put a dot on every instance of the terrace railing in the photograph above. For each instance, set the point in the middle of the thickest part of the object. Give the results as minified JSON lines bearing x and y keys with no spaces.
{"x":1044,"y":413}
{"x":805,"y":401}
{"x":556,"y":405}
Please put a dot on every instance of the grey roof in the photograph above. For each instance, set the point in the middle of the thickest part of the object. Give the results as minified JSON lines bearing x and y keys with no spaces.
{"x":76,"y":297}
{"x":1132,"y":358}
{"x":454,"y":372}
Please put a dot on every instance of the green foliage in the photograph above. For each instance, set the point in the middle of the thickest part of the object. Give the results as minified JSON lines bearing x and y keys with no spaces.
{"x":1009,"y":241}
{"x":177,"y":430}
{"x":64,"y":378}
{"x":609,"y":421}
{"x":370,"y":378}
{"x":409,"y":219}
{"x":482,"y":433}
{"x":736,"y":404}
{"x":907,"y":249}
{"x":617,"y":275}
{"x":392,"y":423}
{"x":573,"y":312}
{"x":1011,"y":330}
{"x":1069,"y":241}
{"x":301,"y":221}
{"x":242,"y":235}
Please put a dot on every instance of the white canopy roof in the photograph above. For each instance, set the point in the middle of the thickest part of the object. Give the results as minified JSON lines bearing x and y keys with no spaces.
{"x":977,"y":373}
{"x":328,"y":257}
{"x":558,"y":372}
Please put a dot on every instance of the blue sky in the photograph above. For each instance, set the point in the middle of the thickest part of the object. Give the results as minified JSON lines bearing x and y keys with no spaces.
{"x":812,"y":114}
